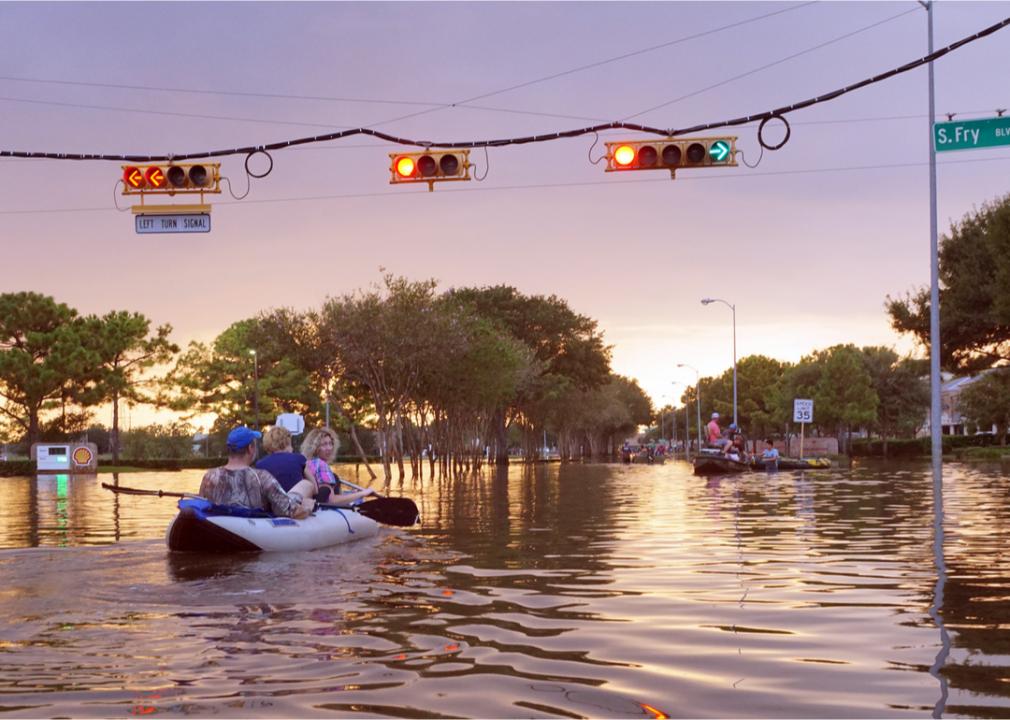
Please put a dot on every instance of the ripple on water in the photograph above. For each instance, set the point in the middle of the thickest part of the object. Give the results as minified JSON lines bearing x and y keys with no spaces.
{"x":581,"y":591}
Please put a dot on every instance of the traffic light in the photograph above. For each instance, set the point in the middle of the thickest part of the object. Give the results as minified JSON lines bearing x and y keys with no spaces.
{"x":172,"y":178}
{"x":430,"y":167}
{"x":671,"y":154}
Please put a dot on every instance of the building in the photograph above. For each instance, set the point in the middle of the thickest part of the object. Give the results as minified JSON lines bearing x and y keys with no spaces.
{"x":951,"y":420}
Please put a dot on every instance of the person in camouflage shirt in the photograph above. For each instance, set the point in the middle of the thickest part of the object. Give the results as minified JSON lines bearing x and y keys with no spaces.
{"x":239,"y":484}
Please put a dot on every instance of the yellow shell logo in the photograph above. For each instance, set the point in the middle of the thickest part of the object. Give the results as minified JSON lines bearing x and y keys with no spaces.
{"x":82,"y":456}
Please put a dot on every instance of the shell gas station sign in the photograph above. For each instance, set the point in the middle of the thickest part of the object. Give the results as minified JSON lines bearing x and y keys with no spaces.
{"x":74,"y":458}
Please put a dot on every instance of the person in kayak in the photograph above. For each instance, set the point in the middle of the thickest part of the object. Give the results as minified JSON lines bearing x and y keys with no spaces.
{"x":282,"y":461}
{"x":737,"y":448}
{"x":714,"y":432}
{"x":241,"y":485}
{"x":770,"y":457}
{"x":319,"y":448}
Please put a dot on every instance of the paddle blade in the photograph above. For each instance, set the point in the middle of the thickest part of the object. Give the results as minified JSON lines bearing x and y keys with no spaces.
{"x":401,"y":512}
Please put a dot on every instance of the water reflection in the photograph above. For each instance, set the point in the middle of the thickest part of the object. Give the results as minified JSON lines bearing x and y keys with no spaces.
{"x":575,"y":591}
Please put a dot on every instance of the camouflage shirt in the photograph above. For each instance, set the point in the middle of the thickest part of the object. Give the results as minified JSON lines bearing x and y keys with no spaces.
{"x":250,"y":488}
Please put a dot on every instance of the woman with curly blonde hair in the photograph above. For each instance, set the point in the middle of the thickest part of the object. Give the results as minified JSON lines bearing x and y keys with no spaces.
{"x":319,"y":448}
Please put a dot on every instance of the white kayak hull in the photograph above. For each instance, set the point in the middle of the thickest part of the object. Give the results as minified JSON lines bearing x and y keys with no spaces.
{"x":197,"y":528}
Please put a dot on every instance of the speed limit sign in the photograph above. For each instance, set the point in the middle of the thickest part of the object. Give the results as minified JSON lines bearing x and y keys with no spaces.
{"x":803,"y":411}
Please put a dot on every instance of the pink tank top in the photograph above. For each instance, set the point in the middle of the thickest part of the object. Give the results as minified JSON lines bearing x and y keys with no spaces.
{"x":322,"y":472}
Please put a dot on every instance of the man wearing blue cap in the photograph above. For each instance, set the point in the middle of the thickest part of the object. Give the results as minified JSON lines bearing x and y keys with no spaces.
{"x":237,"y":483}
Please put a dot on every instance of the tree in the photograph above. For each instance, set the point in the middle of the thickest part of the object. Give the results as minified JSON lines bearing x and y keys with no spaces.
{"x":172,"y":440}
{"x":564,"y":343}
{"x":219,"y":379}
{"x":758,"y":394}
{"x":383,"y":337}
{"x":974,"y":267}
{"x":902,"y":393}
{"x":43,"y":352}
{"x":987,"y":401}
{"x":126,"y":349}
{"x":844,"y":394}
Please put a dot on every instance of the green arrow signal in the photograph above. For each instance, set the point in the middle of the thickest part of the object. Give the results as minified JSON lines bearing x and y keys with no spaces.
{"x":719,"y":150}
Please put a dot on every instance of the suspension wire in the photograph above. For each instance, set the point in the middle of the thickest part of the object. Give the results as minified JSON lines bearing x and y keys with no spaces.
{"x":551,"y":186}
{"x":386,"y":101}
{"x":793,"y":56}
{"x":523,"y":140}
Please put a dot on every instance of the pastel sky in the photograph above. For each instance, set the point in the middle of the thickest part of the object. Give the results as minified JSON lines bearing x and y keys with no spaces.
{"x":807,"y":245}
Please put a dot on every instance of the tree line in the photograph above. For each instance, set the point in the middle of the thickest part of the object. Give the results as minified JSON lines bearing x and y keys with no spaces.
{"x":454,"y":377}
{"x":870,"y":388}
{"x":468,"y":374}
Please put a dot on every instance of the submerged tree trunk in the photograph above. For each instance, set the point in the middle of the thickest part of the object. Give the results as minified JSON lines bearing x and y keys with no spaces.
{"x":354,"y":439}
{"x":114,"y":433}
{"x":501,"y":456}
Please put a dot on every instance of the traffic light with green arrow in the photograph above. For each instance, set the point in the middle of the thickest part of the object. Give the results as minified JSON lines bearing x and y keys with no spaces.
{"x":671,"y":154}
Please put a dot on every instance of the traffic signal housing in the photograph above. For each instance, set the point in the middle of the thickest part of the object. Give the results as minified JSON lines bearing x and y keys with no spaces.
{"x":429,"y":167}
{"x":671,"y":154}
{"x":172,"y":178}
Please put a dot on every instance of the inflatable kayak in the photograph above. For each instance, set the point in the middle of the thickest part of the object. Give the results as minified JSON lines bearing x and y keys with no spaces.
{"x":202,"y":526}
{"x":715,"y":463}
{"x":788,"y":463}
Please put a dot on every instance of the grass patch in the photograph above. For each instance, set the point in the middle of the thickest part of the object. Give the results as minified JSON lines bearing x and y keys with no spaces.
{"x":994,"y":452}
{"x":128,"y":469}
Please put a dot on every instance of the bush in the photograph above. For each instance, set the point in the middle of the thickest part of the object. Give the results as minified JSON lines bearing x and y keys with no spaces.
{"x":17,"y":468}
{"x":914,"y":447}
{"x":23,"y":468}
{"x":994,"y":452}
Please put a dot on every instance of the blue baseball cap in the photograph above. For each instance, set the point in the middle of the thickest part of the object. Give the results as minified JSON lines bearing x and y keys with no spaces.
{"x":241,"y":437}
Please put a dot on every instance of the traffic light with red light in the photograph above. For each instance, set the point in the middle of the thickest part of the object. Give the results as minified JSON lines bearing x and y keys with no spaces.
{"x":429,"y":167}
{"x":671,"y":154}
{"x":172,"y":178}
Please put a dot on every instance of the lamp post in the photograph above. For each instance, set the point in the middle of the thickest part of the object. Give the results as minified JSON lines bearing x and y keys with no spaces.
{"x":697,"y":397}
{"x":687,"y":425}
{"x":709,"y":301}
{"x":256,"y":388}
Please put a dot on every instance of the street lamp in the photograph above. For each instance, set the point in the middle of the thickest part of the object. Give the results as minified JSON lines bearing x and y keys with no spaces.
{"x":697,"y":396}
{"x":256,"y":388}
{"x":708,"y":301}
{"x":687,"y":425}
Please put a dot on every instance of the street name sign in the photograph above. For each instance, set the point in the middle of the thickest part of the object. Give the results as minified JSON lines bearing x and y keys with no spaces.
{"x":971,"y":134}
{"x":175,"y":223}
{"x":803,"y":410}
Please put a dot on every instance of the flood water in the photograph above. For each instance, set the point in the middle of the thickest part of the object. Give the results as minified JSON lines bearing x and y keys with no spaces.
{"x":577,"y":591}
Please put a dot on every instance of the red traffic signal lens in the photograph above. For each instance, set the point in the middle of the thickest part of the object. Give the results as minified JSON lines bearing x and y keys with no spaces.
{"x":405,"y":167}
{"x":426,"y":165}
{"x":155,"y":177}
{"x":647,"y":156}
{"x":695,"y":153}
{"x":671,"y":155}
{"x":449,"y":164}
{"x":176,"y":176}
{"x":133,"y":177}
{"x":624,"y":155}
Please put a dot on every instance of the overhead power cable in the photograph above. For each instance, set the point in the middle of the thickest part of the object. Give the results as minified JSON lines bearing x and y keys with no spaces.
{"x":433,"y":105}
{"x":666,"y":132}
{"x":589,"y":66}
{"x":771,"y":64}
{"x":544,"y":186}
